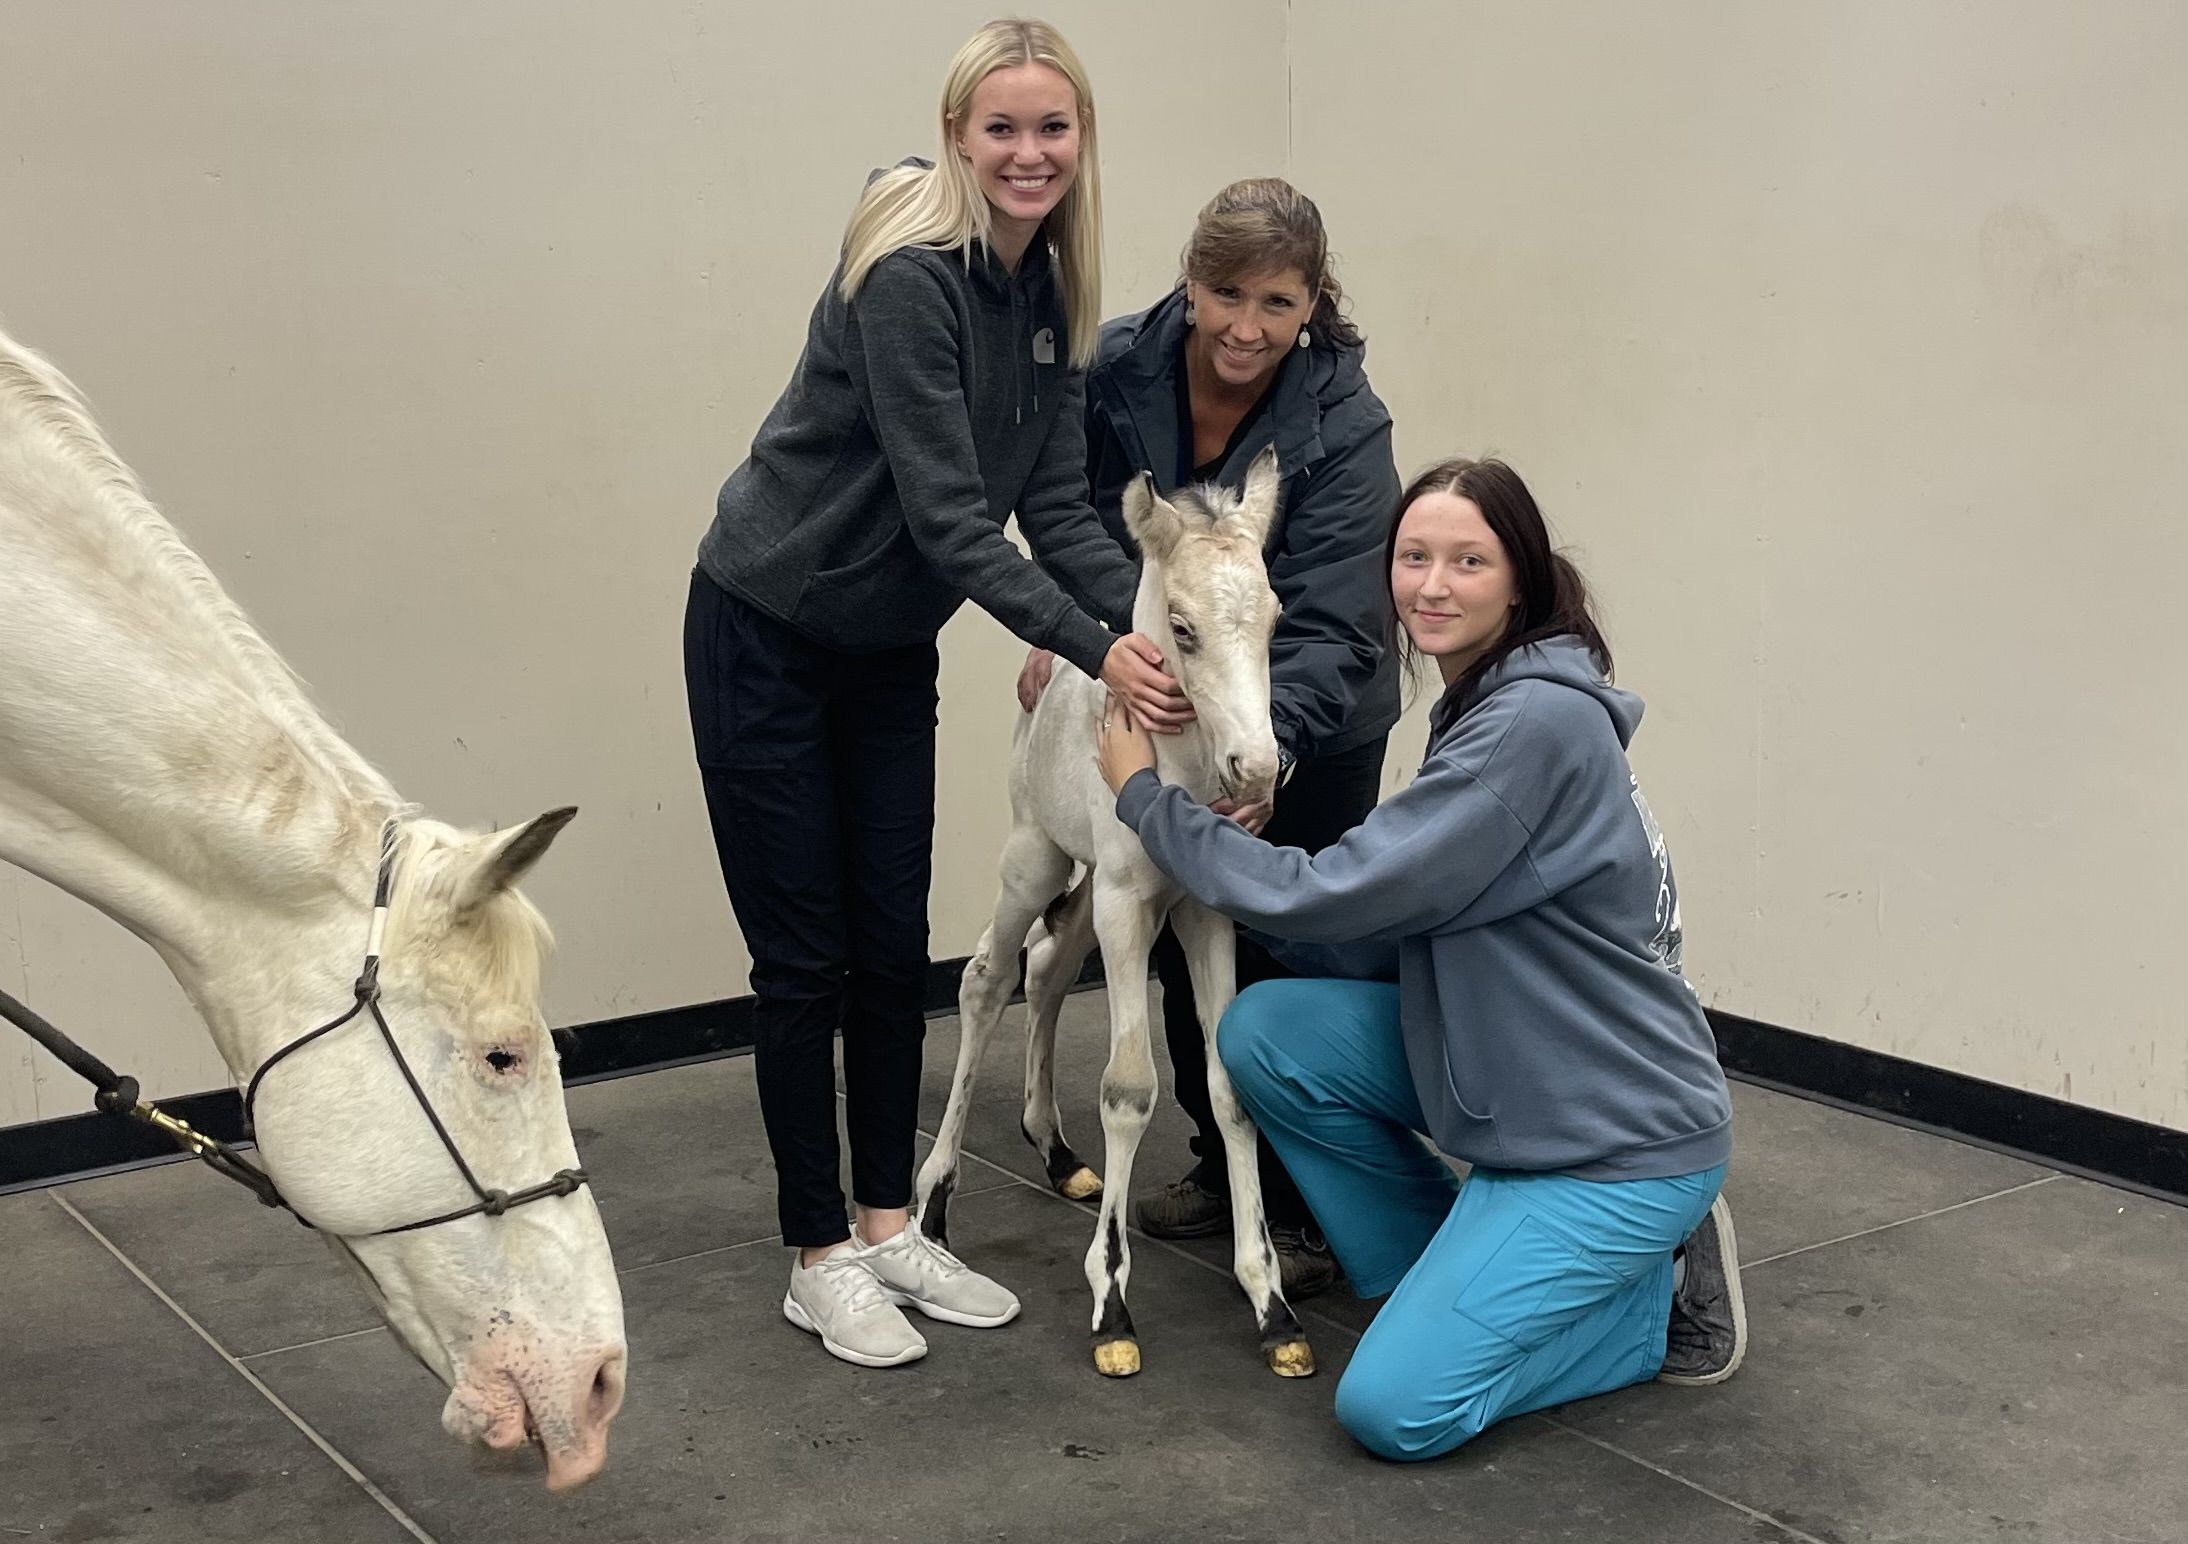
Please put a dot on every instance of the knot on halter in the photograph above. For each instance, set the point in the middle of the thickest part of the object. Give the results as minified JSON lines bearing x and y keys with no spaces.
{"x":368,"y":984}
{"x":494,"y":1202}
{"x":120,"y":1097}
{"x":567,"y":1181}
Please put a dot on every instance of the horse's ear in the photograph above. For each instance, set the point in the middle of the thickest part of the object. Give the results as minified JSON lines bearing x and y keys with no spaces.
{"x":498,"y":860}
{"x":1150,"y":519}
{"x":1258,"y":500}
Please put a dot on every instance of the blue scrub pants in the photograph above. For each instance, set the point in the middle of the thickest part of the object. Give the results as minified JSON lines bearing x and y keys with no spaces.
{"x":1512,"y":1292}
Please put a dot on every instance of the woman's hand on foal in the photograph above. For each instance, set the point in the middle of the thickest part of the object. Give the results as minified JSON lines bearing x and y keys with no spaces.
{"x":1252,"y":816}
{"x":1033,"y":678}
{"x":1124,"y":746}
{"x":1133,"y":671}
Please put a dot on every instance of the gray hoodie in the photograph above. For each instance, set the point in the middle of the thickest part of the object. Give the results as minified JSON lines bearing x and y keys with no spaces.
{"x":1519,"y":893}
{"x":919,"y":418}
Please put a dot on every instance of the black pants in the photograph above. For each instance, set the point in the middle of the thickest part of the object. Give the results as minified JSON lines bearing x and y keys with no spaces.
{"x":819,"y":771}
{"x":1325,"y":798}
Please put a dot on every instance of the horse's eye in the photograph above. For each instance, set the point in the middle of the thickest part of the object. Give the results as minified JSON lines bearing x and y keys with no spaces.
{"x":504,"y":1061}
{"x":1183,"y":629}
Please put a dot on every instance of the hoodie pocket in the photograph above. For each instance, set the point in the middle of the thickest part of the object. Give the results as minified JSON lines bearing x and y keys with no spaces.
{"x":1455,"y":1127}
{"x":881,"y":594}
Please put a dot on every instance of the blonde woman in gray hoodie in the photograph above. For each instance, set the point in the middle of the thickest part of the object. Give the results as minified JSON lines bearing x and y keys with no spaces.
{"x":940,"y":391}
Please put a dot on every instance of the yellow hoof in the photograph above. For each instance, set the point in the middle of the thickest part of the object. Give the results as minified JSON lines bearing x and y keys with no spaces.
{"x":1117,"y":1358}
{"x":1292,"y":1359}
{"x":1084,"y":1186}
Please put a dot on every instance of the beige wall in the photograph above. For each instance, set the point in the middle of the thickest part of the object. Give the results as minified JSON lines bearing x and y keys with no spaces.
{"x":435,"y":328}
{"x":1844,"y":341}
{"x":1848,"y":344}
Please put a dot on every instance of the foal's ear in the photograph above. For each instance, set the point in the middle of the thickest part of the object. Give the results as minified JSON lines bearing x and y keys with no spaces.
{"x":1150,"y":519}
{"x":494,"y":862}
{"x":1256,"y":512}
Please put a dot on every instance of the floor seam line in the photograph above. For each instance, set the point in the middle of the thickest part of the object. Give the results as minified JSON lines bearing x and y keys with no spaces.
{"x":1886,"y":1227}
{"x":306,"y":1345}
{"x":333,"y":1453}
{"x":1679,"y":1479}
{"x":701,"y":1254}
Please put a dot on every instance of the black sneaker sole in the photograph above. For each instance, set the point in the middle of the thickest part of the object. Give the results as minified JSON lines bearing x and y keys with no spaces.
{"x":1208,"y":1229}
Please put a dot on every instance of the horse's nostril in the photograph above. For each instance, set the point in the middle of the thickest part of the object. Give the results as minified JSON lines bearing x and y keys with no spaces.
{"x":602,"y":1396}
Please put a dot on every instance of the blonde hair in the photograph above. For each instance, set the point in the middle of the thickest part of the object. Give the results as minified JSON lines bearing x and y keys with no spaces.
{"x":943,"y":208}
{"x":1264,"y":223}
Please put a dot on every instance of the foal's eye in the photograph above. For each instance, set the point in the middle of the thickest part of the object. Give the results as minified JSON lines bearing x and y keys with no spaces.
{"x":1187,"y":639}
{"x":504,"y":1061}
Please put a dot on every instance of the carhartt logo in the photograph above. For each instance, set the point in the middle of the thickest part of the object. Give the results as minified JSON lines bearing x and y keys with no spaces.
{"x":1044,"y":346}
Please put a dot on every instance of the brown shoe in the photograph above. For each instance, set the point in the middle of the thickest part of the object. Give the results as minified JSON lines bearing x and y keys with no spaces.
{"x":1183,"y":1209}
{"x":1304,"y":1261}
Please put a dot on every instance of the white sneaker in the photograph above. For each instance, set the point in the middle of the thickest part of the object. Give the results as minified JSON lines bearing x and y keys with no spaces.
{"x":916,"y":1272}
{"x":840,"y":1300}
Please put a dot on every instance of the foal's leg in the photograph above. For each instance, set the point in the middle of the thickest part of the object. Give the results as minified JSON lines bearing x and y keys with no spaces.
{"x":1034,"y":869}
{"x":1125,"y":922}
{"x":1211,"y":956}
{"x":1060,"y":946}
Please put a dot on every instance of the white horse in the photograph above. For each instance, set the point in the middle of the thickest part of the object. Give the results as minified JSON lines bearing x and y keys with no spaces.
{"x":158,"y":760}
{"x":1203,"y":587}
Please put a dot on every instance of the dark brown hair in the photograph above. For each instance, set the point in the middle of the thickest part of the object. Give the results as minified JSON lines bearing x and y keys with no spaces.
{"x":1265,"y":223}
{"x":1553,"y":598}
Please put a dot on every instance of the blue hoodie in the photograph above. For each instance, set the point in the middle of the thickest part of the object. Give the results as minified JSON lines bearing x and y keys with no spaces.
{"x":1519,"y":893}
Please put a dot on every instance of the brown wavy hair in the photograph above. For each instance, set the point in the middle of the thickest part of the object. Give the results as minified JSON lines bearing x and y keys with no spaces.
{"x":1265,"y":223}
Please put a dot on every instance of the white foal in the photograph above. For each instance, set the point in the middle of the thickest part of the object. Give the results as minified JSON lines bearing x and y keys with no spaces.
{"x":158,"y":760}
{"x":1204,"y":588}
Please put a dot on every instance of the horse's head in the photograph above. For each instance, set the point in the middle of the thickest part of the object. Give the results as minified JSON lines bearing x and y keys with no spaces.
{"x":1204,"y":550}
{"x":520,"y":1313}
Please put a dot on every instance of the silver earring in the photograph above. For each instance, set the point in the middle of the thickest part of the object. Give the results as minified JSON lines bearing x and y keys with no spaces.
{"x":1190,"y":316}
{"x":1306,"y":338}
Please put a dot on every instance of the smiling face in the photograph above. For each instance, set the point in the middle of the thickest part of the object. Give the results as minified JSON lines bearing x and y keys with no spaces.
{"x":1020,"y":138}
{"x":1243,"y":327}
{"x":1452,"y":582}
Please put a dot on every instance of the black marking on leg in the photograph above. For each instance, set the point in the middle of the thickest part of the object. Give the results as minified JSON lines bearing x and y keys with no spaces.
{"x":1062,"y":1164}
{"x":1115,"y":1322}
{"x":1113,"y":1253}
{"x":1279,"y":1324}
{"x":934,"y":1216}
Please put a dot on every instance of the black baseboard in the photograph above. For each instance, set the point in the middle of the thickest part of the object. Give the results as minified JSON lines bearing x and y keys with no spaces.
{"x":2113,"y":1148}
{"x":70,"y":1147}
{"x":2094,"y":1143}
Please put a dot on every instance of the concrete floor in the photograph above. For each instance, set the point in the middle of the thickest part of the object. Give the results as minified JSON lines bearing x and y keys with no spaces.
{"x":1949,"y":1345}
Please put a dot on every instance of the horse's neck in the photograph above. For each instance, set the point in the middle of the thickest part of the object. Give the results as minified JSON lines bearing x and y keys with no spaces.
{"x":155,"y":760}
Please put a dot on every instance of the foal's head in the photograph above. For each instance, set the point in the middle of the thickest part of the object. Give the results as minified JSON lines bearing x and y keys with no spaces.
{"x":1204,"y":547}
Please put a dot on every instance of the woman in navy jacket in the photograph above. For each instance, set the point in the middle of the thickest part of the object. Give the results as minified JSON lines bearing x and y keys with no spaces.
{"x":1251,"y":350}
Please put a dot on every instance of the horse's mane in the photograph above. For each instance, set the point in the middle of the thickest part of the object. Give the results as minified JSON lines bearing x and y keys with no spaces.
{"x":36,"y":399}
